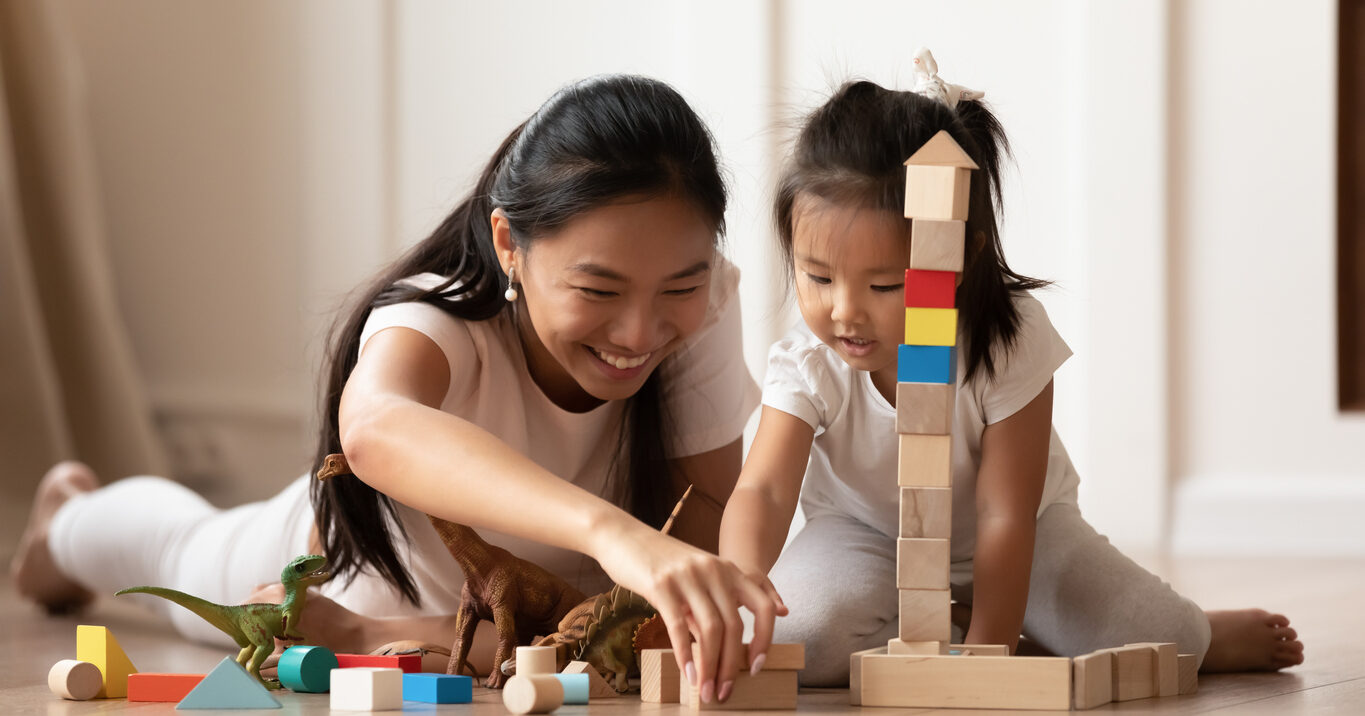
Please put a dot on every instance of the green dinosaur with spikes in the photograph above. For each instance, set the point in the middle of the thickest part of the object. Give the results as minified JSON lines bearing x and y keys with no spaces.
{"x":255,"y":627}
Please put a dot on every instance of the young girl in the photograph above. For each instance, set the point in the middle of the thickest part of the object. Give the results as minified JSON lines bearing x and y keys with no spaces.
{"x":553,"y":365}
{"x":1023,"y":558}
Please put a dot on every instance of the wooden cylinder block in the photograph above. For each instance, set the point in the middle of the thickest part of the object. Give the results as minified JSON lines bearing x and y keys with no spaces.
{"x":75,"y":680}
{"x":533,"y":694}
{"x":537,"y":660}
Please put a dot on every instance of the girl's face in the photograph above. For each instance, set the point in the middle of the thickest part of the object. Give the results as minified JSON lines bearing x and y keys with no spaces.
{"x":608,"y":296}
{"x":850,"y":281}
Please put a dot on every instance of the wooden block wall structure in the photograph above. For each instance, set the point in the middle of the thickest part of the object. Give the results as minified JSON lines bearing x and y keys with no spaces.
{"x":773,"y":687}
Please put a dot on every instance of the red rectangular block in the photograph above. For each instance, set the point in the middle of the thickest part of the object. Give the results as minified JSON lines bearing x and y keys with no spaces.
{"x":169,"y":688}
{"x":930,"y":289}
{"x":409,"y":663}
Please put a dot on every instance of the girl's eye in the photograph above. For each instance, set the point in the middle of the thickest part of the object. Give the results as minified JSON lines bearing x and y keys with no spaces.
{"x":822,"y":280}
{"x":683,"y":291}
{"x":888,"y":288}
{"x":594,"y":293}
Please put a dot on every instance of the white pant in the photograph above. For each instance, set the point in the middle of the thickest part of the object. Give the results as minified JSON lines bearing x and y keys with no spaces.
{"x":149,"y":531}
{"x":1083,"y":594}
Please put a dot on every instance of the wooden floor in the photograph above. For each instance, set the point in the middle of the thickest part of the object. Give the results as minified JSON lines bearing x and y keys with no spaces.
{"x":1324,"y":599}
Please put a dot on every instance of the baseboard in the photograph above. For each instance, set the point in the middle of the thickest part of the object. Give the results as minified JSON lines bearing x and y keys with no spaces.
{"x":1322,"y":516}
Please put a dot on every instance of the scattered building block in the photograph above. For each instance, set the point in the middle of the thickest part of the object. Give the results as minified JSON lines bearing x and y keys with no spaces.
{"x":537,"y":660}
{"x":926,"y":614}
{"x":367,"y":688}
{"x":764,"y":691}
{"x":1188,"y":666}
{"x":925,"y":461}
{"x":75,"y":680}
{"x":97,"y":645}
{"x":943,"y":151}
{"x":930,"y":289}
{"x":406,"y":663}
{"x":438,"y":688}
{"x":901,"y":647}
{"x":575,"y":688}
{"x":979,"y":649}
{"x":533,"y":693}
{"x":855,"y":673}
{"x":659,"y":676}
{"x":982,"y":682}
{"x":922,"y":564}
{"x":228,"y":686}
{"x":1134,"y":673}
{"x":164,"y":688}
{"x":926,"y":364}
{"x":925,"y":408}
{"x":598,"y":688}
{"x":936,"y":192}
{"x":931,"y":326}
{"x":1092,"y":677}
{"x":307,"y":669}
{"x":1165,"y":667}
{"x":926,"y":512}
{"x":937,"y":245}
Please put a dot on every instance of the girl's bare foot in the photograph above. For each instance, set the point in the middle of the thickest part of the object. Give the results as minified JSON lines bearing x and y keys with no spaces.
{"x":33,"y":570}
{"x":1251,"y":640}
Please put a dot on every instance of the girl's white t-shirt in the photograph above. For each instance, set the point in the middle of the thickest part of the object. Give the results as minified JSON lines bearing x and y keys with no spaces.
{"x":706,"y":386}
{"x":853,"y":460}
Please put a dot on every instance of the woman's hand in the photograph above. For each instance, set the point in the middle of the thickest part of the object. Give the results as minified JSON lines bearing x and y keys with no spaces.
{"x":698,"y":595}
{"x":323,"y":621}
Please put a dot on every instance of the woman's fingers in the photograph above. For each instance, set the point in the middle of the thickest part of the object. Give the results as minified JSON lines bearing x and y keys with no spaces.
{"x":709,"y":630}
{"x":732,"y":657}
{"x":765,"y":606}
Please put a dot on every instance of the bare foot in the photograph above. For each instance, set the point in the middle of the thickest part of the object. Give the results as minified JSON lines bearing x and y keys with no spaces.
{"x":1251,"y":640}
{"x":33,"y":570}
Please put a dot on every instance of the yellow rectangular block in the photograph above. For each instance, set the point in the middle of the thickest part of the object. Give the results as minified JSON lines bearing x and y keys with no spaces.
{"x":1093,"y":679}
{"x":925,"y":616}
{"x":937,"y":245}
{"x":976,"y":682}
{"x":922,"y":564}
{"x":925,"y":461}
{"x":926,"y":512}
{"x":931,"y":326}
{"x":937,"y":192}
{"x":925,"y":408}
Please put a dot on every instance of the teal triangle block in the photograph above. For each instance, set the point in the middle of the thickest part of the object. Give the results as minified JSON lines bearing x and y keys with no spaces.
{"x":228,"y":686}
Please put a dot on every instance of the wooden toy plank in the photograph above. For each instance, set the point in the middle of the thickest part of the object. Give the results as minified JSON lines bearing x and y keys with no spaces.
{"x":764,"y":691}
{"x":659,"y":676}
{"x":75,"y":680}
{"x":598,"y":688}
{"x":406,"y":663}
{"x":925,"y":614}
{"x":780,"y":657}
{"x":922,"y":564}
{"x":979,"y":649}
{"x":1133,"y":673}
{"x":926,"y":512}
{"x":931,"y":326}
{"x":925,"y":408}
{"x":982,"y":682}
{"x":537,"y":660}
{"x":1165,"y":667}
{"x":930,"y":289}
{"x":937,"y":245}
{"x":926,"y":364}
{"x":942,"y":150}
{"x":1188,"y":666}
{"x":166,"y":688}
{"x":1092,"y":676}
{"x":97,"y":645}
{"x":934,"y":192}
{"x":855,"y":673}
{"x":925,"y":461}
{"x":902,"y":647}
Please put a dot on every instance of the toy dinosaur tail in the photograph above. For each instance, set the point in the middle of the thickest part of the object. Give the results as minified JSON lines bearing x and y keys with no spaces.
{"x":216,"y":614}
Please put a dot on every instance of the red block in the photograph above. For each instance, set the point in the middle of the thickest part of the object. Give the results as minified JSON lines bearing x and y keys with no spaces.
{"x":409,"y":663}
{"x":161,"y":687}
{"x":930,"y":289}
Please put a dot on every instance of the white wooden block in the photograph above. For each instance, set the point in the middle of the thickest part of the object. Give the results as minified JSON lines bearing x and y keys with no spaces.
{"x":537,"y":660}
{"x":926,"y":512}
{"x":922,"y":564}
{"x":367,"y":688}
{"x":925,"y":615}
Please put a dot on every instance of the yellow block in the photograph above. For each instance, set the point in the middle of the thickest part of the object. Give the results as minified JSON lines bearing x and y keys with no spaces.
{"x":97,"y":645}
{"x":931,"y":326}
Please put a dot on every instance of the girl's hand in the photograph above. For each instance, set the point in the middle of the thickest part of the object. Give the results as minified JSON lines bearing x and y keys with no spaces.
{"x":698,"y":595}
{"x":323,"y":621}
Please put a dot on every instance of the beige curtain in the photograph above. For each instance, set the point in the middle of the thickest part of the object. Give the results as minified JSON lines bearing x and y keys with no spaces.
{"x":69,"y":386}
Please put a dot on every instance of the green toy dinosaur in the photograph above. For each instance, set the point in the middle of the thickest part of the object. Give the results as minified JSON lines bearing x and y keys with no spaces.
{"x":255,"y":627}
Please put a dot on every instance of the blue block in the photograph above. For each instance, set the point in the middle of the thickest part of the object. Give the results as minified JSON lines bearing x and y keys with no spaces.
{"x":228,"y":686}
{"x":575,"y":688}
{"x":307,"y":669}
{"x":926,"y":364}
{"x":438,"y":688}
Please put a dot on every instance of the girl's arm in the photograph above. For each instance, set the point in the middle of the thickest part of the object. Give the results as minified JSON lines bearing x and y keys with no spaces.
{"x":398,"y":441}
{"x":1009,"y":488}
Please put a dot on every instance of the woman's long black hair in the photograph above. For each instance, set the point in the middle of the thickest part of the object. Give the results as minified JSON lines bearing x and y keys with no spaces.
{"x":852,"y":149}
{"x":592,"y":143}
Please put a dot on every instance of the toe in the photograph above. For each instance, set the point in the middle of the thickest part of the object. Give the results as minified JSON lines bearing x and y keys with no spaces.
{"x":1286,"y":633}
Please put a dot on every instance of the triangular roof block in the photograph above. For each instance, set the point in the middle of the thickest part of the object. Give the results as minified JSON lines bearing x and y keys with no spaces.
{"x":97,"y":645}
{"x":228,"y":686}
{"x":942,"y":151}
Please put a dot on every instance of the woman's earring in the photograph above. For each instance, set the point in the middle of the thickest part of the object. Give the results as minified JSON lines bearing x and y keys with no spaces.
{"x":511,"y":293}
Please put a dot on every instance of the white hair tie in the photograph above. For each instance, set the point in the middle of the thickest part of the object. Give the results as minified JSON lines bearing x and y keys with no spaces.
{"x":929,"y":84}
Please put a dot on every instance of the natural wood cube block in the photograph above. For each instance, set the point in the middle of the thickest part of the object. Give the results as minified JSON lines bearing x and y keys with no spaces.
{"x":764,"y":691}
{"x":1134,"y":673}
{"x":780,"y":657}
{"x":931,"y":326}
{"x":1092,"y":676}
{"x":937,"y":245}
{"x":922,"y":564}
{"x":937,"y":192}
{"x":926,"y":512}
{"x":925,"y":461}
{"x":659,"y":676}
{"x":1165,"y":666}
{"x":925,"y":616}
{"x":925,"y":408}
{"x":1188,"y":666}
{"x":977,"y":682}
{"x":902,"y":647}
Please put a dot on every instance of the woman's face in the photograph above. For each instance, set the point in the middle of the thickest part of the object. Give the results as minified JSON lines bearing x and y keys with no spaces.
{"x":605,"y":298}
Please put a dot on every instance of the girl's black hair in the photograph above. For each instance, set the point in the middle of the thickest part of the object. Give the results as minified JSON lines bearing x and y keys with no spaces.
{"x":852,"y":150}
{"x":592,"y":143}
